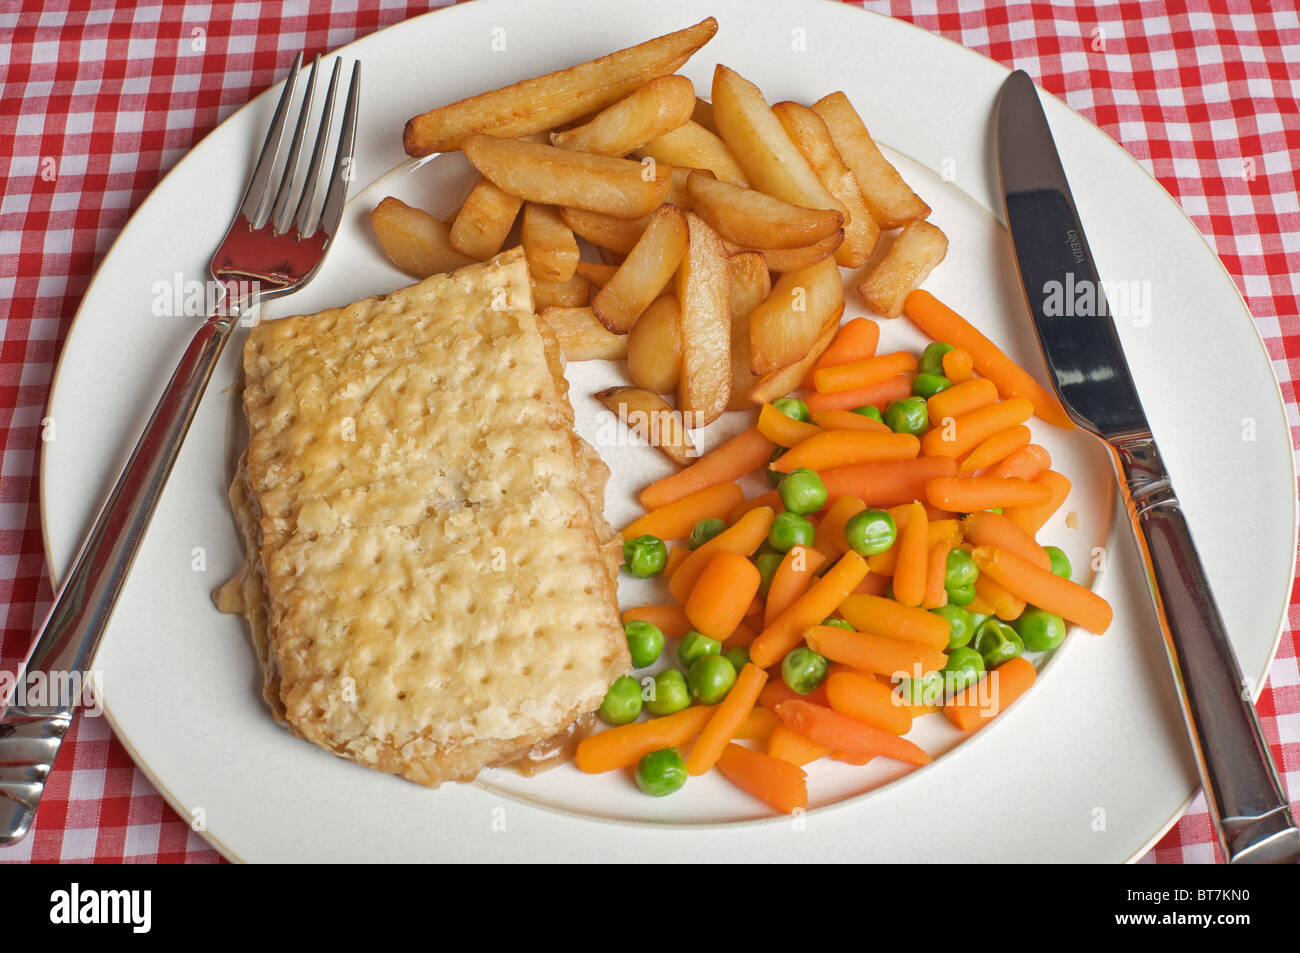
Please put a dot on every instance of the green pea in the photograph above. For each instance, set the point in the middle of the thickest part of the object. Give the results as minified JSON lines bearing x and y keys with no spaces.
{"x":738,"y":657}
{"x":793,"y":407}
{"x":1060,"y":561}
{"x":645,"y":641}
{"x":711,"y":678}
{"x":774,"y":477}
{"x":671,"y":693}
{"x":961,"y":595}
{"x":831,"y":620}
{"x":870,"y":532}
{"x":790,"y":530}
{"x":909,"y":415}
{"x":997,"y":642}
{"x":804,"y":670}
{"x":661,"y":772}
{"x":696,"y":645}
{"x":704,"y":531}
{"x":927,"y":385}
{"x":964,"y":667}
{"x":1041,"y":630}
{"x":932,"y":358}
{"x":960,"y":570}
{"x":645,"y":556}
{"x":926,"y":690}
{"x":802,"y":491}
{"x":961,"y":624}
{"x":870,"y":410}
{"x":767,"y":564}
{"x":622,"y":702}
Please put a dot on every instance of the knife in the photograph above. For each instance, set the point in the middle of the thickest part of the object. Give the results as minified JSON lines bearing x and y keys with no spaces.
{"x":1086,"y":364}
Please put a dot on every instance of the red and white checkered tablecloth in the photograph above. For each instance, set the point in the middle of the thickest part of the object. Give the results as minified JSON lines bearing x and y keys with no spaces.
{"x":103,"y":94}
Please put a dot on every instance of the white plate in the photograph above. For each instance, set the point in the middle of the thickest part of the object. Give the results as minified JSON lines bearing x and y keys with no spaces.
{"x":1092,"y":765}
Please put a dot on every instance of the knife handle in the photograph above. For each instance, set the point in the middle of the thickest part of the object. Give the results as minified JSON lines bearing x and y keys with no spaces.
{"x":1241,"y":783}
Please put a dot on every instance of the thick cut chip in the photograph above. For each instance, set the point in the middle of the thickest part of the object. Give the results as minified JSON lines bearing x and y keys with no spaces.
{"x":915,"y":252}
{"x":702,"y":285}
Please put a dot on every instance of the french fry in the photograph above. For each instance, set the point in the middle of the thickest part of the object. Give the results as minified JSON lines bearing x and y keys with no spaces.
{"x":794,"y":259}
{"x":654,"y":346}
{"x":574,"y":293}
{"x":646,"y":271}
{"x":703,"y":115}
{"x":414,"y":240}
{"x":750,"y":285}
{"x":595,"y":272}
{"x":540,"y":173}
{"x":549,"y":245}
{"x":760,"y":144}
{"x":785,"y":326}
{"x":657,"y":108}
{"x":755,"y":220}
{"x":917,"y":249}
{"x":653,"y":419}
{"x":705,"y":384}
{"x":787,"y":379}
{"x":581,"y":336}
{"x":891,"y":200}
{"x":813,"y":139}
{"x":691,"y":146}
{"x":546,"y":102}
{"x":678,"y":177}
{"x":618,"y":235}
{"x":484,"y":221}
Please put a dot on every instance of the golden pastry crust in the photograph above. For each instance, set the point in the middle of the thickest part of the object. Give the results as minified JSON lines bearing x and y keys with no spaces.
{"x":424,"y":526}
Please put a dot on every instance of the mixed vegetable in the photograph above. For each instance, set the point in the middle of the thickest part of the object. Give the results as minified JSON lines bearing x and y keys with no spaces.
{"x":892,"y":571}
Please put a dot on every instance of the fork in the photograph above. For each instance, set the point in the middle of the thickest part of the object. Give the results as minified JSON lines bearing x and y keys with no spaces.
{"x":274,"y":246}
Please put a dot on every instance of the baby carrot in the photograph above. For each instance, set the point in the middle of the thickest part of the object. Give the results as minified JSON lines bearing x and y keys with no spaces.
{"x":936,"y":567}
{"x":889,"y":483}
{"x":842,"y":448}
{"x":791,"y":746}
{"x":856,"y":341}
{"x":968,"y":494}
{"x":676,"y":556}
{"x":996,"y":448}
{"x":678,"y":518}
{"x":742,"y":537}
{"x":958,"y":365}
{"x":859,"y":374}
{"x":960,"y":435}
{"x":777,"y":691}
{"x":943,"y":324}
{"x":727,"y":719}
{"x":671,"y":620}
{"x":909,"y":574}
{"x":1043,"y":588}
{"x":782,"y":430}
{"x":1025,"y":464}
{"x":996,"y":529}
{"x":625,"y":745}
{"x":829,"y":539}
{"x":746,"y":451}
{"x":961,"y":399}
{"x":771,"y":499}
{"x":877,"y":395}
{"x":978,"y":703}
{"x":846,"y":734}
{"x":790,"y":580}
{"x":758,"y":725}
{"x":741,"y":636}
{"x":814,"y":605}
{"x":1031,"y":518}
{"x":836,"y":419}
{"x":1006,"y":606}
{"x":886,"y":617}
{"x":859,"y":695}
{"x":873,"y":653}
{"x":773,"y":781}
{"x":719,"y":599}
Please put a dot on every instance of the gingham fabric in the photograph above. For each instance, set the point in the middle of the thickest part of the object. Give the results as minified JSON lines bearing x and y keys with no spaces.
{"x":104,"y":98}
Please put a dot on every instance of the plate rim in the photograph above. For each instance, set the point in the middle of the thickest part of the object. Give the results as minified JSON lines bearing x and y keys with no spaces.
{"x":926,"y":35}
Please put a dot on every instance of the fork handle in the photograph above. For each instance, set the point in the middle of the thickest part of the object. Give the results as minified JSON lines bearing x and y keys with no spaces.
{"x":31,"y":734}
{"x":1241,"y":783}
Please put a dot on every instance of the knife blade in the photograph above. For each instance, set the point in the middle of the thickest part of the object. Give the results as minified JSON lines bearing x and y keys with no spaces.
{"x":1072,"y":318}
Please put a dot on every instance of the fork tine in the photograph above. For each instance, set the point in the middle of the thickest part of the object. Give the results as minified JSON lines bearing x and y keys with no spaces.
{"x":343,"y":174}
{"x":256,"y":193}
{"x":281,"y":215}
{"x":310,"y":184}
